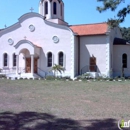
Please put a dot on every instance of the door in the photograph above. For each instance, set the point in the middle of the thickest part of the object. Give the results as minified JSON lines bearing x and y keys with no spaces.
{"x":28,"y":65}
{"x":93,"y":64}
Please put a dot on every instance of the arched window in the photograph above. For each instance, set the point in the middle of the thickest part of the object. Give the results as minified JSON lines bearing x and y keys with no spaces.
{"x":124,"y":60}
{"x":54,"y":8}
{"x":14,"y":60}
{"x":61,"y":9}
{"x":5,"y":59}
{"x":49,"y":61}
{"x":61,"y":58}
{"x":46,"y":7}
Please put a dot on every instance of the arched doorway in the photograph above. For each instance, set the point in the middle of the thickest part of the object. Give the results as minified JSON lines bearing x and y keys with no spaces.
{"x":30,"y":54}
{"x":28,"y":63}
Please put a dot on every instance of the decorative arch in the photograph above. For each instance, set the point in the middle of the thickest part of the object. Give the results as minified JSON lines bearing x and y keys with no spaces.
{"x":25,"y":44}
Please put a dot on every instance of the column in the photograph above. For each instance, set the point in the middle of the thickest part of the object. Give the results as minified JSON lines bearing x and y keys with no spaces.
{"x":32,"y":64}
{"x":108,"y":52}
{"x":17,"y":64}
{"x":49,"y":10}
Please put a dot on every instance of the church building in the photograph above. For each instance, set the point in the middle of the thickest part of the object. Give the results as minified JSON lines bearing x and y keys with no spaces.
{"x":38,"y":41}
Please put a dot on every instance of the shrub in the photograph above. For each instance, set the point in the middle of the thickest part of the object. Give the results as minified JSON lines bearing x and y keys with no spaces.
{"x":99,"y":78}
{"x":3,"y":76}
{"x":50,"y":77}
{"x":122,"y":78}
{"x":111,"y":79}
{"x":116,"y":78}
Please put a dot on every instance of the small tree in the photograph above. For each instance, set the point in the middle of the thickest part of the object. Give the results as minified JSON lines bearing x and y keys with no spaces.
{"x":57,"y":68}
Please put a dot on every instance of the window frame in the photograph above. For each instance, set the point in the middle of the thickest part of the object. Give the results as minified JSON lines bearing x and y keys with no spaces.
{"x":49,"y":62}
{"x":124,"y":60}
{"x":14,"y":60}
{"x":46,"y":7}
{"x":60,"y":59}
{"x":54,"y":8}
{"x":61,"y":10}
{"x":5,"y":63}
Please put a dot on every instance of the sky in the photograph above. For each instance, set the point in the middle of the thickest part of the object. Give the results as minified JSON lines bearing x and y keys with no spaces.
{"x":76,"y":11}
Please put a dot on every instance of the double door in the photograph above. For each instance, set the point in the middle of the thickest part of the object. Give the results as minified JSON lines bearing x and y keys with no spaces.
{"x":28,"y":65}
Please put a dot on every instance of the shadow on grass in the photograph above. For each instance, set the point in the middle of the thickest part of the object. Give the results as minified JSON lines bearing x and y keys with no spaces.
{"x":44,"y":121}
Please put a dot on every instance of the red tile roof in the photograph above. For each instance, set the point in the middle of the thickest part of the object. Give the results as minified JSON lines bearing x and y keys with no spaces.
{"x":90,"y":29}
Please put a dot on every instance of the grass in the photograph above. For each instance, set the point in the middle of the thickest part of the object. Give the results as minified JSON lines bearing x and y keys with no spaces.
{"x":87,"y":104}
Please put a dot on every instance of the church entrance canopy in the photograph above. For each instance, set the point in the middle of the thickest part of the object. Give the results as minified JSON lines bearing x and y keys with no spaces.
{"x":30,"y":53}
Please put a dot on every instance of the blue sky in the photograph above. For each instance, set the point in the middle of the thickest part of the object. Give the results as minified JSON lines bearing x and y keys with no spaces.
{"x":76,"y":11}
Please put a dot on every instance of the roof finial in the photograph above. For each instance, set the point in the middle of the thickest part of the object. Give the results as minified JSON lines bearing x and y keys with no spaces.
{"x":31,"y":9}
{"x":25,"y":37}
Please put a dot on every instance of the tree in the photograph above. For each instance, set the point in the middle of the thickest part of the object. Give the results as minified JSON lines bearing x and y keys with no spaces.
{"x":125,"y":33}
{"x":113,"y":4}
{"x":57,"y":68}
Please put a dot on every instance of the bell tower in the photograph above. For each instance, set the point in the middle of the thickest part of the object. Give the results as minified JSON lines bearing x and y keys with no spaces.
{"x":53,"y":10}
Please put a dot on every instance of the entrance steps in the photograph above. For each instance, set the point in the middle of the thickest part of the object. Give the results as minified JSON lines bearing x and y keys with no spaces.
{"x":24,"y":76}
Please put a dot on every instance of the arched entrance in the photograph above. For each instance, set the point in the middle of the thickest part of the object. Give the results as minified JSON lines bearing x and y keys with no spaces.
{"x":25,"y":61}
{"x":27,"y":58}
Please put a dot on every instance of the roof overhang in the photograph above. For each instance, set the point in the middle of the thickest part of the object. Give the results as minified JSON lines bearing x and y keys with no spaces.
{"x":119,"y":41}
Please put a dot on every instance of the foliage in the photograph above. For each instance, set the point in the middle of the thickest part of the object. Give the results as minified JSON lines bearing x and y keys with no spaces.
{"x":84,"y":76}
{"x":116,"y":78}
{"x":125,"y":33}
{"x":112,"y":5}
{"x":58,"y":78}
{"x":50,"y":77}
{"x":57,"y":68}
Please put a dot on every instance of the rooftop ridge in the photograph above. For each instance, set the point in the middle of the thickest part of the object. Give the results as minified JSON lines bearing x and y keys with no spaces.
{"x":88,"y":24}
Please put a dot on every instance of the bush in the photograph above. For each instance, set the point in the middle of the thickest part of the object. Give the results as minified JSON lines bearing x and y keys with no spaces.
{"x":122,"y":78}
{"x":3,"y":76}
{"x":99,"y":78}
{"x":50,"y":77}
{"x":111,"y":79}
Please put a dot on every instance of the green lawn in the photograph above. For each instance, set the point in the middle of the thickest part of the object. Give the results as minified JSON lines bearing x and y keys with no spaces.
{"x":63,"y":105}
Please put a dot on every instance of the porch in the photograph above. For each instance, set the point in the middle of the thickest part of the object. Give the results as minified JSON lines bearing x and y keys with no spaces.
{"x":27,"y":61}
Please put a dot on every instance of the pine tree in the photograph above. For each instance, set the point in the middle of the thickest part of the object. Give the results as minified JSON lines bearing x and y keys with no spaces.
{"x":113,"y":4}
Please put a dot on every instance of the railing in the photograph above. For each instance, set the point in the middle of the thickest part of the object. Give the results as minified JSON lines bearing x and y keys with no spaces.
{"x":12,"y":70}
{"x":41,"y":72}
{"x":89,"y":68}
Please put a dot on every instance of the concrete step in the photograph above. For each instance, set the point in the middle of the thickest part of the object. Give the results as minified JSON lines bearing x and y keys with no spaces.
{"x":23,"y":75}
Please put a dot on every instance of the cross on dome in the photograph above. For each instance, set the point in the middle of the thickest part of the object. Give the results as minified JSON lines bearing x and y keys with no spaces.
{"x":31,"y":9}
